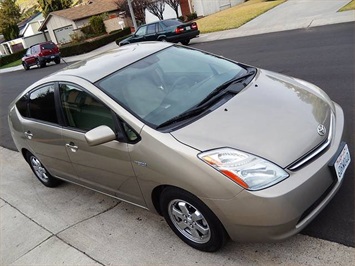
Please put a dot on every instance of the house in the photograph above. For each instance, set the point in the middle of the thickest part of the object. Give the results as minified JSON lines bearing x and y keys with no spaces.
{"x":61,"y":24}
{"x":29,"y":35}
{"x":201,"y":7}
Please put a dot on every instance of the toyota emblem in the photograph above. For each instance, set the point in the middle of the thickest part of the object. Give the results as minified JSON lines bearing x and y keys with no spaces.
{"x":321,"y":130}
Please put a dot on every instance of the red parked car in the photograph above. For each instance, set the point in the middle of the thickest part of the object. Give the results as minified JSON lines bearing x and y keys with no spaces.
{"x":40,"y":54}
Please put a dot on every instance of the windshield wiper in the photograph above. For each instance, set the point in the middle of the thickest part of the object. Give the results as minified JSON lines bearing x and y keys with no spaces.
{"x":220,"y":90}
{"x":188,"y":114}
{"x":211,"y":98}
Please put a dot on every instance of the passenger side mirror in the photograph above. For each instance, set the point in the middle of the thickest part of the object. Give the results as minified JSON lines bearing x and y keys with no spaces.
{"x":100,"y":135}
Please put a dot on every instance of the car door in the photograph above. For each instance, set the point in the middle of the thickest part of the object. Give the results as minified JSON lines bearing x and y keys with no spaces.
{"x":29,"y":58}
{"x":139,"y":36}
{"x":43,"y":132}
{"x":151,"y":34}
{"x":106,"y":167}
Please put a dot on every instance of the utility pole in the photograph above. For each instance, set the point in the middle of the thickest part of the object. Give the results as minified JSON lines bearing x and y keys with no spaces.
{"x":132,"y":14}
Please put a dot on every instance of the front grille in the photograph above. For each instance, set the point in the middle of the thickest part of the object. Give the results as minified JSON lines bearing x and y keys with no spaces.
{"x":316,"y":151}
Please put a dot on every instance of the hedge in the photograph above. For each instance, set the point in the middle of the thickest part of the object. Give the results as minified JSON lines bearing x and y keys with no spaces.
{"x":7,"y":59}
{"x":76,"y":48}
{"x":85,"y":47}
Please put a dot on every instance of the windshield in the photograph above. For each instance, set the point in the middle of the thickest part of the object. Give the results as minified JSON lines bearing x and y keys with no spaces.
{"x":168,"y":83}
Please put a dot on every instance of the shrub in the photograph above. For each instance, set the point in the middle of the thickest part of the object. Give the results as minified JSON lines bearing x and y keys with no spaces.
{"x":7,"y":59}
{"x":191,"y":16}
{"x":97,"y":24}
{"x":182,"y":18}
{"x":85,"y":47}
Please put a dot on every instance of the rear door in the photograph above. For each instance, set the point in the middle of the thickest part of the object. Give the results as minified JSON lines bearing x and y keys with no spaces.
{"x":43,"y":132}
{"x":106,"y":167}
{"x":30,"y":59}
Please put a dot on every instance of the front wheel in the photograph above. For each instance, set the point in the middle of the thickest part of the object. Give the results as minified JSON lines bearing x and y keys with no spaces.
{"x":192,"y":221}
{"x":25,"y":66}
{"x":57,"y":61}
{"x":41,"y":172}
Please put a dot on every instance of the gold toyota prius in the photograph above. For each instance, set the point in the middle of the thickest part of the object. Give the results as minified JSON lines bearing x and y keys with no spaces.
{"x":220,"y":149}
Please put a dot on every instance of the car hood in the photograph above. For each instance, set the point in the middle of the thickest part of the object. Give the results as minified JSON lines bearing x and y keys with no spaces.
{"x":275,"y":117}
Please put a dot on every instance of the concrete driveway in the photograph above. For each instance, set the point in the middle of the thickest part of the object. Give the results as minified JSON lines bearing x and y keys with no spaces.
{"x":71,"y":225}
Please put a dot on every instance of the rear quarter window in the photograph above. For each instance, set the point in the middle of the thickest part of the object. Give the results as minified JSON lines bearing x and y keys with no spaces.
{"x":22,"y":106}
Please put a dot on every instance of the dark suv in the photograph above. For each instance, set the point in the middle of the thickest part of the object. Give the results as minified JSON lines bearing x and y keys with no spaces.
{"x":170,"y":30}
{"x":40,"y":54}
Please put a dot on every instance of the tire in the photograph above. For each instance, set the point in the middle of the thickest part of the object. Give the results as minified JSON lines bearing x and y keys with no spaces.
{"x":40,"y":64}
{"x":41,"y":172}
{"x":57,"y":61}
{"x":185,"y":42}
{"x":25,"y":66}
{"x":163,"y":40}
{"x":201,"y":229}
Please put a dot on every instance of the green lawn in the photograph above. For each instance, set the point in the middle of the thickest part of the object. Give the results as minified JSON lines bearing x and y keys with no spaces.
{"x":236,"y":16}
{"x":15,"y":63}
{"x":349,"y":6}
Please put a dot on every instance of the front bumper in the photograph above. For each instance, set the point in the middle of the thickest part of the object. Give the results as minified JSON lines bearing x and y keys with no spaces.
{"x":286,"y":208}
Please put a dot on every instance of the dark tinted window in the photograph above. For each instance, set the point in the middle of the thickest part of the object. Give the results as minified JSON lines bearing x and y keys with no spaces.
{"x":22,"y":105}
{"x":82,"y":110}
{"x":169,"y":23}
{"x":141,"y":31}
{"x":42,"y":104}
{"x":151,"y":29}
{"x":47,"y":46}
{"x":159,"y":27}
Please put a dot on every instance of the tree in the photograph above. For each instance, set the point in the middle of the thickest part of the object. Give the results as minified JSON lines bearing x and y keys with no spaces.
{"x":138,"y":6}
{"x":11,"y":32}
{"x":174,"y":4}
{"x":156,"y":7}
{"x":48,"y":6}
{"x":10,"y":15}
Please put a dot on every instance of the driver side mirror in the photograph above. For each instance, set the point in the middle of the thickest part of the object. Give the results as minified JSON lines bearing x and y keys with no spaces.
{"x":100,"y":135}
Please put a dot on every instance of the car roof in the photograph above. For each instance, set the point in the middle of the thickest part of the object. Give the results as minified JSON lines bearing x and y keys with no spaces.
{"x":100,"y":66}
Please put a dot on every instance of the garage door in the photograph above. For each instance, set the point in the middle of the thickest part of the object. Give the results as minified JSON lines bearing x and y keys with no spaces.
{"x":63,"y":34}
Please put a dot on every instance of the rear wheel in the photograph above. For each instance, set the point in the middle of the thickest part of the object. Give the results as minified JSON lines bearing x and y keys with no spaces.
{"x":57,"y":61}
{"x":41,"y":172}
{"x":185,"y":42}
{"x":192,"y":221}
{"x":163,"y":40}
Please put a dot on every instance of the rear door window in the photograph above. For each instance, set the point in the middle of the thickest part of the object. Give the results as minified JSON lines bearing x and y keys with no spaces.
{"x":151,"y":29}
{"x":42,"y":104}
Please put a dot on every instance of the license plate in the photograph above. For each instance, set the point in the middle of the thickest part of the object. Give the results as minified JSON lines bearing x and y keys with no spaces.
{"x":342,"y":162}
{"x":188,"y":28}
{"x":52,"y":56}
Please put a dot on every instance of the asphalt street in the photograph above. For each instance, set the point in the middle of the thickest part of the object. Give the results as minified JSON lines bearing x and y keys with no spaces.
{"x":322,"y":55}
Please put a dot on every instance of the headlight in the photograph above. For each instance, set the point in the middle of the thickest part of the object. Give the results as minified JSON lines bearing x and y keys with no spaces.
{"x":247,"y":170}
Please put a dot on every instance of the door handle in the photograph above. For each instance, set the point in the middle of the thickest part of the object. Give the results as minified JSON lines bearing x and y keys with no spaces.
{"x":29,"y":134}
{"x":72,"y":146}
